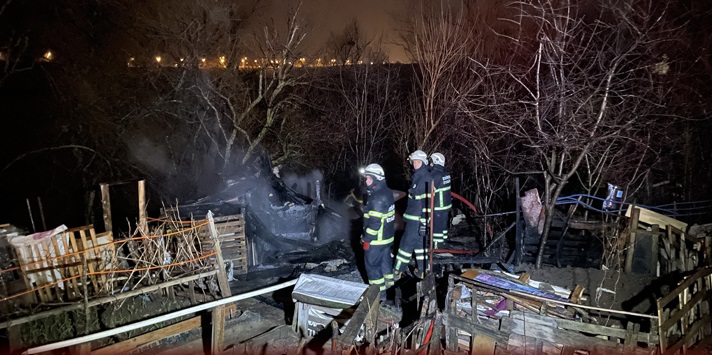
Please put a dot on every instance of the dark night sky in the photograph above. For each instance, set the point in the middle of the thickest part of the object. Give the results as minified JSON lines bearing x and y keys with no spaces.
{"x":326,"y":16}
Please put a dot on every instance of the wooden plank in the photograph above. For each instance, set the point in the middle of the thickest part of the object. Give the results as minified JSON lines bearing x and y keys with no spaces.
{"x":650,"y":217}
{"x":583,"y":327}
{"x":557,"y":336}
{"x":60,"y":269}
{"x":142,"y":220}
{"x":144,"y":339}
{"x":632,"y":228}
{"x":79,"y":268}
{"x":80,"y":349}
{"x":456,"y":322}
{"x":682,"y":343}
{"x":482,"y":344}
{"x":40,"y":277}
{"x":90,"y":266}
{"x":97,"y":256}
{"x":369,"y":303}
{"x":217,"y":338}
{"x":656,"y":250}
{"x":106,"y":206}
{"x":222,"y":276}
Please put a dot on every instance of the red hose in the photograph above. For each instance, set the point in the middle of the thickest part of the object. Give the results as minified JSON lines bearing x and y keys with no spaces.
{"x":428,"y":335}
{"x":470,"y":205}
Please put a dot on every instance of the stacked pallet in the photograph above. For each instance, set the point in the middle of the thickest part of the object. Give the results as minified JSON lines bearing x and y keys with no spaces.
{"x":231,"y":235}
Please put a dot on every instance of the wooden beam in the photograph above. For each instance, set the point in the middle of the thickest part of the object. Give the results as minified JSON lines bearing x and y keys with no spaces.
{"x":369,"y":303}
{"x":131,"y":344}
{"x":159,"y":319}
{"x":632,"y":228}
{"x":142,"y":220}
{"x":144,"y":339}
{"x":217,"y":338}
{"x":650,"y":217}
{"x":222,"y":276}
{"x":106,"y":206}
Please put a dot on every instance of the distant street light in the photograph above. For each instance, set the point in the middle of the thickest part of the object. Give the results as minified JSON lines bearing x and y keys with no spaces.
{"x":48,"y":55}
{"x":158,"y":59}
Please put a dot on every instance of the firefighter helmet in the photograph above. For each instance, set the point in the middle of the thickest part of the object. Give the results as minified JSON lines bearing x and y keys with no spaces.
{"x":419,"y":155}
{"x":375,"y":171}
{"x":438,"y":159}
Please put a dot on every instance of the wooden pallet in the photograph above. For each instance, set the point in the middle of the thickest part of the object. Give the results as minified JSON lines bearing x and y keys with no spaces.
{"x":684,"y":320}
{"x":55,"y":272}
{"x":233,"y":244}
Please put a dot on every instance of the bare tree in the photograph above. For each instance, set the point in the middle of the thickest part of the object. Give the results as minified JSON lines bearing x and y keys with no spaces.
{"x":437,"y":40}
{"x":348,"y":46}
{"x":586,"y":91}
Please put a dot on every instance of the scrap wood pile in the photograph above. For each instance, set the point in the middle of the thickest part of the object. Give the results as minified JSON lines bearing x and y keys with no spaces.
{"x":499,"y":313}
{"x":71,"y":264}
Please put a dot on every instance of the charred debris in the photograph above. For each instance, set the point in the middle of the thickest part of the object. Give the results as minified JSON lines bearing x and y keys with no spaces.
{"x":270,"y":265}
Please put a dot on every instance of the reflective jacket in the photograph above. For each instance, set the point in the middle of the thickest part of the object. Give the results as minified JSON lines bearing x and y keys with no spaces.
{"x":441,"y":179}
{"x":419,"y":196}
{"x":379,"y":214}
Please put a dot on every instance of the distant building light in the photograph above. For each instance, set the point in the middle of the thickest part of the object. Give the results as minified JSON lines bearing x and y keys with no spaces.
{"x":48,"y":55}
{"x":202,"y":60}
{"x":158,"y":59}
{"x":222,"y":61}
{"x":181,"y":59}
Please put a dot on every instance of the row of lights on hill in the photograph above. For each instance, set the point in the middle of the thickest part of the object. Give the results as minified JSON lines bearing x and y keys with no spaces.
{"x":244,"y":61}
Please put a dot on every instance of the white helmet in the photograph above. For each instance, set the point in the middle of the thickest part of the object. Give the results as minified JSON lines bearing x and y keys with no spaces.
{"x":375,"y":171}
{"x":438,"y":158}
{"x":419,"y":155}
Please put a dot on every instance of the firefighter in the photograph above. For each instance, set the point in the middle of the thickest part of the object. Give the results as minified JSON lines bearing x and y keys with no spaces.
{"x":378,"y":217}
{"x":442,"y":200}
{"x":416,"y":216}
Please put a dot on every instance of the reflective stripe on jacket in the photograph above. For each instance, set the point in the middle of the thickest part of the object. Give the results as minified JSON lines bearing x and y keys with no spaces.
{"x":441,"y":179}
{"x":379,"y":214}
{"x":418,"y":196}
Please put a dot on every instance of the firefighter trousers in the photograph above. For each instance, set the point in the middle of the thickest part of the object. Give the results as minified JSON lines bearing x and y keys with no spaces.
{"x":440,"y":221}
{"x":379,"y":266}
{"x":411,"y":242}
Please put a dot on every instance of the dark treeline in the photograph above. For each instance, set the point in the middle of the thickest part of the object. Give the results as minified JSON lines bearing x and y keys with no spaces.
{"x":568,"y":95}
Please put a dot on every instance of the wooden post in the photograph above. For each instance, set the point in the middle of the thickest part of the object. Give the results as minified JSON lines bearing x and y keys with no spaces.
{"x":42,"y":217}
{"x":217,"y":338}
{"x":632,"y":228}
{"x":656,"y":250}
{"x":80,"y":349}
{"x":222,"y":276}
{"x":708,"y":250}
{"x":142,"y":221}
{"x":106,"y":206}
{"x":518,"y":236}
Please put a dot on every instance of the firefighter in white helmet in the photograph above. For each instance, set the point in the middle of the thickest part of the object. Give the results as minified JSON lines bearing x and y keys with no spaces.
{"x":378,"y":230}
{"x":416,"y":216}
{"x":442,"y":200}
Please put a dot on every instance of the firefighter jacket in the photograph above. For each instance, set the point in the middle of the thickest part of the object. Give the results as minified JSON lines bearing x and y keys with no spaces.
{"x":441,"y":180}
{"x":419,"y":196}
{"x":379,"y":214}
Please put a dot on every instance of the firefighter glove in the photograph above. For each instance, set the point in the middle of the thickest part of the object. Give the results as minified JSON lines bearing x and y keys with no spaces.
{"x":421,"y":230}
{"x":366,"y":245}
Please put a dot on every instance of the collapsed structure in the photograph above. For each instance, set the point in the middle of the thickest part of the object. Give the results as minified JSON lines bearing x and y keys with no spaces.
{"x":474,"y":298}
